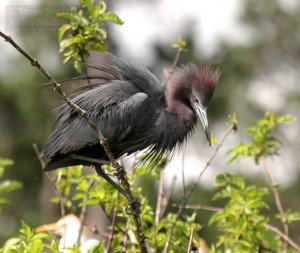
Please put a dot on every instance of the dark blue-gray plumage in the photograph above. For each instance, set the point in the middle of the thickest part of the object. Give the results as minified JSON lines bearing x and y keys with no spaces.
{"x":133,"y":112}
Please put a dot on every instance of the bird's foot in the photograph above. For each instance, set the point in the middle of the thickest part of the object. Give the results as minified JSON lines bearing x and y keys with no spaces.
{"x":134,"y":207}
{"x":101,"y":173}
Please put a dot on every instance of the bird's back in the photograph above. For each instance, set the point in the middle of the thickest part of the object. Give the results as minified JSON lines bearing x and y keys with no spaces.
{"x":124,"y":102}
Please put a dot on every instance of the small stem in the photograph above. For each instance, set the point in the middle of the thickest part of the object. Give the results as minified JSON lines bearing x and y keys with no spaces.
{"x":182,"y":170}
{"x":190,"y":241}
{"x":202,"y":207}
{"x":114,"y":216}
{"x":277,"y":199}
{"x":125,"y":237}
{"x":83,"y":212}
{"x":160,"y":197}
{"x":54,"y":186}
{"x":286,"y":238}
{"x":173,"y":66}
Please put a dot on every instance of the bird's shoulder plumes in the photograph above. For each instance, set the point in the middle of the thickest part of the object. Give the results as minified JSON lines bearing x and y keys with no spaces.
{"x":111,"y":68}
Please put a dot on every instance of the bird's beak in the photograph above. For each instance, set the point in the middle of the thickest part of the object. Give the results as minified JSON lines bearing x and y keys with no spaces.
{"x":47,"y":228}
{"x":201,"y":112}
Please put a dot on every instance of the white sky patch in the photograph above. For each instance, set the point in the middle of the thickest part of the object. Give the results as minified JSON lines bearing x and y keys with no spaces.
{"x":146,"y":22}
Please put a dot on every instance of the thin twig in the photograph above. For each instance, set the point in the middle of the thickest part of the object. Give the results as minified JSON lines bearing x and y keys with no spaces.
{"x":268,"y":226}
{"x":54,"y":186}
{"x":160,"y":197}
{"x":120,"y":172}
{"x":202,"y":207}
{"x":125,"y":237}
{"x":170,"y":71}
{"x":114,"y":218}
{"x":277,"y":199}
{"x":283,"y":236}
{"x":168,"y":197}
{"x":83,"y":212}
{"x":182,"y":170}
{"x":188,"y":194}
{"x":190,"y":240}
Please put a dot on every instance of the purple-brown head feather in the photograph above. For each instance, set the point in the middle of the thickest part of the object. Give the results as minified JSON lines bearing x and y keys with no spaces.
{"x":200,"y":80}
{"x":189,"y":91}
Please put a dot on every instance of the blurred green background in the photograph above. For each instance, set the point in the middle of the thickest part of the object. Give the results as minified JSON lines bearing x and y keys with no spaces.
{"x":255,"y":44}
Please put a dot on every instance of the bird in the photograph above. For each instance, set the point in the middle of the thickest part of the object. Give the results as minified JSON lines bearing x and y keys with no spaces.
{"x":133,"y":111}
{"x":68,"y":229}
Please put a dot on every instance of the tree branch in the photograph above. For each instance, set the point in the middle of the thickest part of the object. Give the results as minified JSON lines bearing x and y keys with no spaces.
{"x":120,"y":172}
{"x":83,"y":212}
{"x":170,"y":70}
{"x":268,"y":226}
{"x":114,"y":219}
{"x":278,"y":203}
{"x":188,"y":194}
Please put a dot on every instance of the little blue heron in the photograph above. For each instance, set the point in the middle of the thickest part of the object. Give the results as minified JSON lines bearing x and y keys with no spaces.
{"x":133,"y":111}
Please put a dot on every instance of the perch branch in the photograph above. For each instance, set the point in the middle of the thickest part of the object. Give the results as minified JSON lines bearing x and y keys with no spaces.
{"x":120,"y":172}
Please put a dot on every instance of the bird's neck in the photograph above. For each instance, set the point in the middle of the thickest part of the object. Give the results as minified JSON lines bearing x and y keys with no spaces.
{"x":180,"y":115}
{"x":180,"y":119}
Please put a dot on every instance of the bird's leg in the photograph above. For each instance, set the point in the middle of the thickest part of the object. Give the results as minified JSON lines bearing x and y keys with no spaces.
{"x":101,"y":173}
{"x":89,"y":159}
{"x":99,"y":170}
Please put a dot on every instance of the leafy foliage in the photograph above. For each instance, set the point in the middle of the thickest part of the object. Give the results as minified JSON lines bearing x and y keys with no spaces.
{"x":262,"y":142}
{"x":241,"y":224}
{"x":7,"y":186}
{"x":85,"y":32}
{"x":30,"y":242}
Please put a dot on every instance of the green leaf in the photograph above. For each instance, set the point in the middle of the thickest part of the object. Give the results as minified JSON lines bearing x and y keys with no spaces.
{"x":113,"y":18}
{"x":294,"y":216}
{"x":233,"y":121}
{"x":180,"y":44}
{"x":10,"y":245}
{"x":262,"y":142}
{"x":62,"y":31}
{"x":4,"y":162}
{"x":9,"y":186}
{"x":90,"y":202}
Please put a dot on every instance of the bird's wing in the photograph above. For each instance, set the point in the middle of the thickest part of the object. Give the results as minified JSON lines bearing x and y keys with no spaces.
{"x":113,"y":107}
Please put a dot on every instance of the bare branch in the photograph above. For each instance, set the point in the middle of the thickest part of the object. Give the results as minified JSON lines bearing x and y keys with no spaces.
{"x":274,"y":186}
{"x":114,"y":216}
{"x":54,"y":186}
{"x":160,"y":197}
{"x":188,"y":194}
{"x":190,"y":241}
{"x":83,"y":212}
{"x":125,"y":237}
{"x":268,"y":226}
{"x":182,"y":171}
{"x":283,"y":236}
{"x":168,"y":197}
{"x":170,"y":71}
{"x":202,"y":207}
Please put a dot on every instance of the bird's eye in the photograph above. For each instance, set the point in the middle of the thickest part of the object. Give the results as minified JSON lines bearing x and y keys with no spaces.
{"x":196,"y":100}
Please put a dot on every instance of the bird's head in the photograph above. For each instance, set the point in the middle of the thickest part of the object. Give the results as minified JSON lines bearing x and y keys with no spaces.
{"x":194,"y":85}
